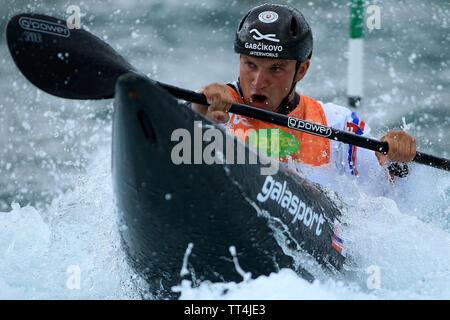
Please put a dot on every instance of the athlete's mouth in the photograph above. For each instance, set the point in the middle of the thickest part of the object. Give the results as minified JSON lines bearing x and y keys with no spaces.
{"x":258,"y":98}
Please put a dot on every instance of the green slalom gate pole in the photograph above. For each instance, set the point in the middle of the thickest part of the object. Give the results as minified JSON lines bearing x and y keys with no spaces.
{"x":355,"y":54}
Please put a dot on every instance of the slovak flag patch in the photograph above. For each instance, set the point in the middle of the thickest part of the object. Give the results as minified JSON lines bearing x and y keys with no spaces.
{"x":355,"y":126}
{"x":336,"y":241}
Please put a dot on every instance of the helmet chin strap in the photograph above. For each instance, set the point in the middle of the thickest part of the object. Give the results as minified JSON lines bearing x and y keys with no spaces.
{"x":285,"y":101}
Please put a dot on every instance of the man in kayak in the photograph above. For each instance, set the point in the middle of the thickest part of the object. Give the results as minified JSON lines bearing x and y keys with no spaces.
{"x":275,"y":46}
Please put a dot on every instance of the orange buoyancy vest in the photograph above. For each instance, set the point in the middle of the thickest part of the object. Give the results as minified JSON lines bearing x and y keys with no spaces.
{"x":297,"y":145}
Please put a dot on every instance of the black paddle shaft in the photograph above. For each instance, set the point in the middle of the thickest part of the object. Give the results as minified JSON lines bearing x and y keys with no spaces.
{"x":74,"y":64}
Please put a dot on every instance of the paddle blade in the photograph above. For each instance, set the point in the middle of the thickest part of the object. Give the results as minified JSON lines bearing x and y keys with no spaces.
{"x":67,"y":63}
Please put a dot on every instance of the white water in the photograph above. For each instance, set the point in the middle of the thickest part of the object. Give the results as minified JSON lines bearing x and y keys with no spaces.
{"x":69,"y":251}
{"x":45,"y":252}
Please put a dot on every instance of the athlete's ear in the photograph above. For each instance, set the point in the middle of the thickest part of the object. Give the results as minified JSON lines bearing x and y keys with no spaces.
{"x":302,"y":70}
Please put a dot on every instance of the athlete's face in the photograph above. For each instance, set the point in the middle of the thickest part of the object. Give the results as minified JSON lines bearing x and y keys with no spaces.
{"x":265,"y":82}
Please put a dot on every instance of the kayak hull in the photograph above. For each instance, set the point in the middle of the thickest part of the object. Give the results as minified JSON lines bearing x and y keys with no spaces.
{"x":165,"y":207}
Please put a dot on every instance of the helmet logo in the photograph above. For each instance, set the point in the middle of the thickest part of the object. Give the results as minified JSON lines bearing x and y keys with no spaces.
{"x":268,"y":16}
{"x":260,"y":36}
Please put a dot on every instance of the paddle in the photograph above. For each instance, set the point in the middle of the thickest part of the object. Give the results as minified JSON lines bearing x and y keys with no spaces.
{"x":74,"y":64}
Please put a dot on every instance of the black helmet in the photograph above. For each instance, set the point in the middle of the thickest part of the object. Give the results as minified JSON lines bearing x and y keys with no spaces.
{"x":274,"y":31}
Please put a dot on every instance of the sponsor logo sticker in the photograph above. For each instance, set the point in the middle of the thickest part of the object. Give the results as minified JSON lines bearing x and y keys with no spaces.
{"x":262,"y":47}
{"x":301,"y":213}
{"x":306,"y":126}
{"x":38,"y":25}
{"x":268,"y":16}
{"x":274,"y":142}
{"x":260,"y":36}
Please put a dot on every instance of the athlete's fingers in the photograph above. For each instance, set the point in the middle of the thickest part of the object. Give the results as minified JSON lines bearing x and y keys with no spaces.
{"x":408,"y":142}
{"x":399,"y":147}
{"x":408,"y":145}
{"x":413,"y":150}
{"x":209,"y":94}
{"x":405,"y":146}
{"x":402,"y":147}
{"x":222,"y":98}
{"x":382,"y":158}
{"x":220,"y":116}
{"x":392,"y":140}
{"x":407,"y":149}
{"x":218,"y":97}
{"x":410,"y":148}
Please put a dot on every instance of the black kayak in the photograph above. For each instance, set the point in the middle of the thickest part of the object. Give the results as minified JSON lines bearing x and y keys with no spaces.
{"x":164,"y":208}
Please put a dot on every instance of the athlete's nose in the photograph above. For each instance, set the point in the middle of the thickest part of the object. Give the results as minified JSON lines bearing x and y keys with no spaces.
{"x":259,"y":80}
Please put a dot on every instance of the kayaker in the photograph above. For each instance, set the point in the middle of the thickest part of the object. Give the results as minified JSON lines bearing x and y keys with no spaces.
{"x":275,"y":45}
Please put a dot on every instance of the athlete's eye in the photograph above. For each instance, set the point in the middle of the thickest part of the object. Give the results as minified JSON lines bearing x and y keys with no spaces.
{"x":250,"y":64}
{"x":276,"y":68}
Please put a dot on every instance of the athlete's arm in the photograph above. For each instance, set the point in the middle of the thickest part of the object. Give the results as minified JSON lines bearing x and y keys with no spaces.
{"x":219,"y":99}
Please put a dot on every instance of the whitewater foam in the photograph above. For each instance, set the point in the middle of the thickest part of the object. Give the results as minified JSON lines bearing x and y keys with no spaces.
{"x":76,"y":237}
